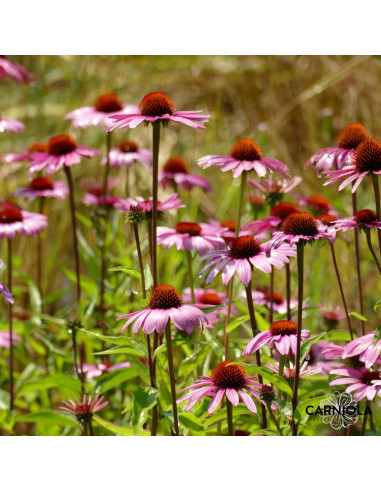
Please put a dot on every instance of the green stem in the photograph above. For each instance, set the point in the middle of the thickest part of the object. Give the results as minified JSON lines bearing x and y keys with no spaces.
{"x":300,"y":259}
{"x":155,"y":173}
{"x":288,"y":290}
{"x":190,"y":274}
{"x":358,"y":269}
{"x":76,"y":370}
{"x":10,"y":311}
{"x":273,"y":418}
{"x":376,"y":188}
{"x":227,"y":320}
{"x":341,"y":290}
{"x":229,"y":414}
{"x":271,"y":295}
{"x":39,"y":251}
{"x":368,"y":240}
{"x":282,"y":359}
{"x":168,"y":339}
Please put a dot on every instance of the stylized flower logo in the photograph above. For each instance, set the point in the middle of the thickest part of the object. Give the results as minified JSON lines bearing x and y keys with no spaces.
{"x":343,"y":410}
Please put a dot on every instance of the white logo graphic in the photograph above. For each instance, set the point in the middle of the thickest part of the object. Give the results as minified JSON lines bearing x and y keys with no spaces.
{"x":339,"y":410}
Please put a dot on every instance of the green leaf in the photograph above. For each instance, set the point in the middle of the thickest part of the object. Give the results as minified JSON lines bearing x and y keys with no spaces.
{"x":337,"y":335}
{"x":300,"y":410}
{"x":215,"y":308}
{"x":262,"y":323}
{"x":123,"y":349}
{"x":358,"y":316}
{"x":306,"y":346}
{"x":377,"y":335}
{"x":132,"y":272}
{"x":375,"y":307}
{"x":148,"y":277}
{"x":4,"y":400}
{"x":144,"y":400}
{"x":47,"y":382}
{"x":114,"y":378}
{"x":237,"y":322}
{"x":116,"y":429}
{"x":48,"y":417}
{"x":273,"y":378}
{"x":191,"y":422}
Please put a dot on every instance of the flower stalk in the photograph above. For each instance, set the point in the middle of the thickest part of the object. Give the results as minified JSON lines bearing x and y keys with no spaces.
{"x":168,"y":339}
{"x":10,"y":315}
{"x":358,"y":269}
{"x":377,"y":197}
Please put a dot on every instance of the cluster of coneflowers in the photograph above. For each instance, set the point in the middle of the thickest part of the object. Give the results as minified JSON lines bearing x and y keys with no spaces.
{"x":232,"y":251}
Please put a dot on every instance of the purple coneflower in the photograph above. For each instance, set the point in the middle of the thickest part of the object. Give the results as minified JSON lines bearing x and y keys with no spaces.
{"x":342,"y":155}
{"x":189,"y":236}
{"x":14,"y":71}
{"x":245,"y":155}
{"x":172,"y":202}
{"x":363,"y":218}
{"x":320,"y":356}
{"x":165,"y":304}
{"x":244,"y":253}
{"x":275,"y":300}
{"x":95,"y":195}
{"x":209,"y":298}
{"x":127,"y":154}
{"x":63,"y":150}
{"x":5,"y":338}
{"x":11,"y":125}
{"x":363,"y":382}
{"x":227,"y":379}
{"x":271,"y":223}
{"x":364,"y":348}
{"x":299,"y":227}
{"x":282,"y":334}
{"x":14,"y":220}
{"x":26,"y":155}
{"x":157,"y":106}
{"x":105,"y":106}
{"x":332,"y":315}
{"x":84,"y":410}
{"x":95,"y":370}
{"x":274,"y":188}
{"x":43,"y":188}
{"x":317,"y":203}
{"x":290,"y":372}
{"x":176,"y":172}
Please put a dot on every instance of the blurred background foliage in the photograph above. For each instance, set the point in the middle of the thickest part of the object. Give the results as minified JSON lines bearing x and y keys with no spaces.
{"x":291,"y":105}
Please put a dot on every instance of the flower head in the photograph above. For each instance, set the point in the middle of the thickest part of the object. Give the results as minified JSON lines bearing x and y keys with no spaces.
{"x":165,"y":304}
{"x":95,"y":370}
{"x":11,"y":125}
{"x":274,"y":188}
{"x":365,"y":383}
{"x":282,"y":334}
{"x":299,"y":227}
{"x":105,"y":106}
{"x":316,"y":203}
{"x":366,"y":161}
{"x":189,"y":236}
{"x":157,"y":106}
{"x":5,"y":339}
{"x":263,"y":297}
{"x":226,"y":379}
{"x":245,"y":155}
{"x":14,"y":71}
{"x":319,"y":356}
{"x":63,"y":150}
{"x":271,"y":223}
{"x":176,"y":172}
{"x":289,"y":372}
{"x":244,"y":253}
{"x":140,"y":205}
{"x":342,"y":155}
{"x":364,"y":348}
{"x":127,"y":154}
{"x":97,"y":195}
{"x":13,"y":219}
{"x":84,"y":410}
{"x":43,"y":187}
{"x":26,"y":155}
{"x":364,"y":219}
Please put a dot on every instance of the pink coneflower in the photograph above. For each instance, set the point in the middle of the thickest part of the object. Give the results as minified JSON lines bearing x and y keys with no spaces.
{"x":14,"y":71}
{"x":363,"y":218}
{"x":176,"y":172}
{"x":13,"y":219}
{"x":290,"y":372}
{"x":276,"y":300}
{"x":172,"y":202}
{"x":127,"y":154}
{"x":157,"y":106}
{"x":244,"y":253}
{"x":5,"y":339}
{"x":63,"y":150}
{"x":364,"y":348}
{"x":277,"y":215}
{"x":11,"y":125}
{"x":342,"y":155}
{"x":84,"y":410}
{"x":366,"y":161}
{"x":95,"y":370}
{"x":165,"y":304}
{"x":26,"y":155}
{"x":299,"y":227}
{"x":319,"y":356}
{"x":105,"y":106}
{"x":363,"y":382}
{"x":245,"y":155}
{"x":317,"y":203}
{"x":43,"y":188}
{"x":230,"y":380}
{"x":332,"y":315}
{"x":95,"y":194}
{"x":209,"y":298}
{"x":189,"y":236}
{"x":282,"y":334}
{"x":273,"y":187}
